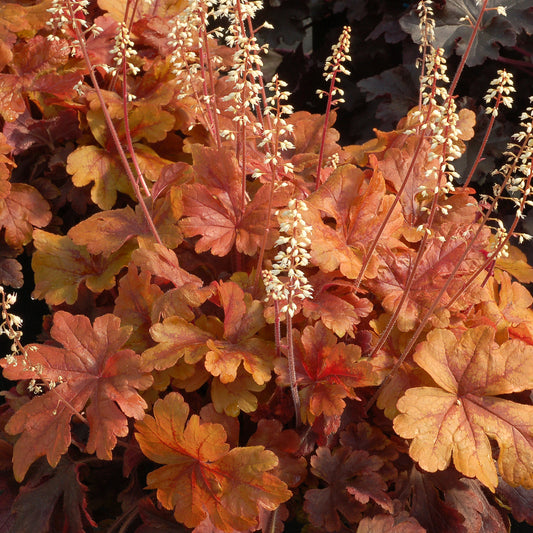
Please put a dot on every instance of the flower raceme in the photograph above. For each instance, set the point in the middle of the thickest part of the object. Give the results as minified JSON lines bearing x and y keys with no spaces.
{"x":296,"y":237}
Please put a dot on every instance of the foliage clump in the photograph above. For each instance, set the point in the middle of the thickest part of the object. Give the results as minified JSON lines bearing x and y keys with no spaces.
{"x":252,"y":325}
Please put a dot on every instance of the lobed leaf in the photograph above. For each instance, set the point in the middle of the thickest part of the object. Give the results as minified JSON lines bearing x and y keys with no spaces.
{"x":20,"y":211}
{"x":91,"y":164}
{"x":201,"y":476}
{"x":457,"y":418}
{"x":352,"y":480}
{"x":327,"y":371}
{"x":60,"y":266}
{"x":92,"y":373}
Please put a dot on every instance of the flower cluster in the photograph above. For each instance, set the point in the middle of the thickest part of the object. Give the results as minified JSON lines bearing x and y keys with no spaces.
{"x":334,"y":65}
{"x":11,"y":324}
{"x":290,"y":260}
{"x":123,"y":52}
{"x":246,"y":73}
{"x":69,"y":17}
{"x":426,"y":25}
{"x":274,"y":135}
{"x":499,"y":91}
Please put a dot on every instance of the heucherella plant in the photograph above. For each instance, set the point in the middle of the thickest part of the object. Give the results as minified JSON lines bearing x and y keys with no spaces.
{"x":253,"y":326}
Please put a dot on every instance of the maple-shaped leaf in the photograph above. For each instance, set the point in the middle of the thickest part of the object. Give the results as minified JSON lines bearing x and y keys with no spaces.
{"x":357,"y":201}
{"x":454,"y":23}
{"x":105,"y":232}
{"x":92,"y":373}
{"x":352,"y":481}
{"x":395,"y":164}
{"x":457,"y":418}
{"x":133,"y":305}
{"x":363,"y":436}
{"x":508,"y":310}
{"x":307,"y":139}
{"x":339,"y":309}
{"x":176,"y":339}
{"x":20,"y":211}
{"x":38,"y":66}
{"x":243,"y":318}
{"x":396,"y":89}
{"x":182,"y":301}
{"x":285,"y":443}
{"x":214,"y":207}
{"x":201,"y":475}
{"x":327,"y":371}
{"x":238,"y":344}
{"x":235,"y":396}
{"x":438,"y":261}
{"x":60,"y":266}
{"x":36,"y":507}
{"x":27,"y":132}
{"x":92,"y":164}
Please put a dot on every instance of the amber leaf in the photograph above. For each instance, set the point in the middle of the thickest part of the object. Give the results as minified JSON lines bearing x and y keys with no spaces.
{"x":201,"y":476}
{"x":91,"y":164}
{"x":457,"y":418}
{"x":20,"y":211}
{"x":60,"y":266}
{"x":357,"y":202}
{"x":92,"y":373}
{"x":327,"y":371}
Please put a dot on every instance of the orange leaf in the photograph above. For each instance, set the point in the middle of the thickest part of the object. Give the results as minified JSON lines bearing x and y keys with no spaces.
{"x":359,"y":206}
{"x":243,"y":318}
{"x":516,"y":264}
{"x":60,"y":266}
{"x":202,"y":477}
{"x":105,"y":232}
{"x":21,"y":210}
{"x":326,"y":371}
{"x":339,"y":309}
{"x":214,"y":209}
{"x":176,"y":339}
{"x":134,"y":303}
{"x":91,"y":164}
{"x":457,"y":418}
{"x":91,"y":372}
{"x":508,"y":310}
{"x":437,"y":263}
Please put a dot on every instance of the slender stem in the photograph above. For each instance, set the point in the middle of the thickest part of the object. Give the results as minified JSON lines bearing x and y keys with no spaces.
{"x":527,"y":65}
{"x":375,"y":242}
{"x":127,"y":132}
{"x":462,"y":64}
{"x":292,"y":367}
{"x":483,"y":145}
{"x":113,"y":131}
{"x":211,"y":96}
{"x":325,"y":130}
